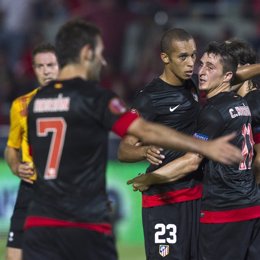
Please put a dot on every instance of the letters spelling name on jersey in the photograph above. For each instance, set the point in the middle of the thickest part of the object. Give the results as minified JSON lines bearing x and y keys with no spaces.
{"x":239,"y":111}
{"x":58,"y":104}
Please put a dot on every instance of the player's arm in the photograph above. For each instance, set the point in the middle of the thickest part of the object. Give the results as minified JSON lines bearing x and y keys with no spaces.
{"x":170,"y":172}
{"x":131,"y":150}
{"x":246,"y":72}
{"x":20,"y":169}
{"x":12,"y":150}
{"x":218,"y":150}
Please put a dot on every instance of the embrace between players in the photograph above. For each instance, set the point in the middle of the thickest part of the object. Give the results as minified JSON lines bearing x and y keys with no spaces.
{"x":191,"y":201}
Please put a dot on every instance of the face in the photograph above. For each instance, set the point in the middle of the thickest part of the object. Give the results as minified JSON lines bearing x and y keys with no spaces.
{"x":97,"y":61}
{"x":211,"y":75}
{"x":46,"y":67}
{"x":180,"y":62}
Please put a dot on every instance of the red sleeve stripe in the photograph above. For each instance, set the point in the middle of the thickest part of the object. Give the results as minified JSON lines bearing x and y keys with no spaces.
{"x":227,"y":216}
{"x":121,"y":125}
{"x":257,"y":138}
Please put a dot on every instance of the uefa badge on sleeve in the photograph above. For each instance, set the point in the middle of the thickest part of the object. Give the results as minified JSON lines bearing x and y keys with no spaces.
{"x":164,"y":250}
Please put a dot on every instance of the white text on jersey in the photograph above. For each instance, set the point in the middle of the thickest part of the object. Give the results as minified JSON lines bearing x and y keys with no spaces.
{"x":57,"y":104}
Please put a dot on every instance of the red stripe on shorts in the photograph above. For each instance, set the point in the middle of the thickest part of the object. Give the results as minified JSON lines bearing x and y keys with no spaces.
{"x":36,"y":221}
{"x":171,"y":197}
{"x":233,"y":215}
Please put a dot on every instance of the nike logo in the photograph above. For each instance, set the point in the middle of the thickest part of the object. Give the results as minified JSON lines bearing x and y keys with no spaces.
{"x":173,"y":108}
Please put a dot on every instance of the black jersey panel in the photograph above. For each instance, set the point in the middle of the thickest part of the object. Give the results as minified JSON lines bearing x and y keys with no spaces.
{"x":68,"y":131}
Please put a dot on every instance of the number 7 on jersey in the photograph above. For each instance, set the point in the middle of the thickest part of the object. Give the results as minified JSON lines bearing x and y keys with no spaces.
{"x":57,"y":126}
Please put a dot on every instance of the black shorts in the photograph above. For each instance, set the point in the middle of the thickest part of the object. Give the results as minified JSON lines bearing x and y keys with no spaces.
{"x":52,"y":243}
{"x":23,"y":200}
{"x":238,"y":240}
{"x":172,"y":231}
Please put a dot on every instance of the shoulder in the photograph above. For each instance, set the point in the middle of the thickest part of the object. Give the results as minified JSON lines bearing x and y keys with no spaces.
{"x":210,"y":114}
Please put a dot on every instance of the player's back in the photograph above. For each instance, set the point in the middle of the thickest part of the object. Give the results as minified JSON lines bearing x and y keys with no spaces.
{"x":68,"y":133}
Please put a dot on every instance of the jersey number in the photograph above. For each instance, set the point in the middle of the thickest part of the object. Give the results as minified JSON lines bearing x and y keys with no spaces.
{"x":247,"y":148}
{"x":57,"y":126}
{"x":171,"y":239}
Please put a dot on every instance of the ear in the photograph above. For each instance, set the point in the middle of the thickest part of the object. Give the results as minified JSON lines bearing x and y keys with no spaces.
{"x":227,"y":77}
{"x":165,"y":58}
{"x":87,"y":53}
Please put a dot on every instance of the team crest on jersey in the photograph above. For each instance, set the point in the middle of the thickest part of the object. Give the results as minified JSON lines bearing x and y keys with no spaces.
{"x":116,"y":106}
{"x":58,"y":85}
{"x":134,"y":111}
{"x":164,"y":250}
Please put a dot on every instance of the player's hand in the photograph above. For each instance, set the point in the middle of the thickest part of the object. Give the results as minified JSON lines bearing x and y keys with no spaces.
{"x":139,"y":183}
{"x":222,"y":151}
{"x":25,"y":171}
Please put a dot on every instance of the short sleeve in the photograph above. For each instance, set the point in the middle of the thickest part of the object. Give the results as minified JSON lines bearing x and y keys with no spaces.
{"x":144,"y":105}
{"x":16,"y":131}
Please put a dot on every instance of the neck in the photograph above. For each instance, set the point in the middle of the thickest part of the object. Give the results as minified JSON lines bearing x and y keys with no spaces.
{"x":72,"y":71}
{"x":245,"y":88}
{"x":224,"y":87}
{"x":171,"y":78}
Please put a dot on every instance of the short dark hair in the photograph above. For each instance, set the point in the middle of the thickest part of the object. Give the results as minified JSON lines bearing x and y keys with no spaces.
{"x":242,"y":51}
{"x":175,"y":34}
{"x":42,"y":48}
{"x":72,"y":37}
{"x":221,"y":49}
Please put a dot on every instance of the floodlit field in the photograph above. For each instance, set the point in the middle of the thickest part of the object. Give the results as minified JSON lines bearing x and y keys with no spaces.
{"x":133,"y":252}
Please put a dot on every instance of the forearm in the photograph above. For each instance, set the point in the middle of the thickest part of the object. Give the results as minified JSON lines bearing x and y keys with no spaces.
{"x":12,"y":157}
{"x":131,"y":153}
{"x":165,"y":137}
{"x":176,"y":169}
{"x":247,"y":72}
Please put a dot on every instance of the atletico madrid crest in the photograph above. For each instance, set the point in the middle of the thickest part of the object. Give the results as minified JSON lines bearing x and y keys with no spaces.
{"x":164,"y":250}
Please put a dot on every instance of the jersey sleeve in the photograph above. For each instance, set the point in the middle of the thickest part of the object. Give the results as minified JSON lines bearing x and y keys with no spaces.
{"x":113,"y":113}
{"x":210,"y":124}
{"x":143,"y":104}
{"x":16,"y":130}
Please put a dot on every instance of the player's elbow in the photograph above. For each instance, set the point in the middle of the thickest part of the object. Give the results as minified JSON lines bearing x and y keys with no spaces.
{"x":193,"y":161}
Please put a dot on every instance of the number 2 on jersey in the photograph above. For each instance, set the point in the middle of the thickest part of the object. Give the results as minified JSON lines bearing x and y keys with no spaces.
{"x":247,"y":147}
{"x":57,"y":126}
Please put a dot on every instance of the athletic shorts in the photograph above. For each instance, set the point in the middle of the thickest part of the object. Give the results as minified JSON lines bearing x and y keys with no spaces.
{"x":52,"y":243}
{"x":23,"y":200}
{"x":238,"y":241}
{"x":171,"y":231}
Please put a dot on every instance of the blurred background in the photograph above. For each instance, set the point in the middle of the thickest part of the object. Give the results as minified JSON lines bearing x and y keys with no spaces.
{"x":132,"y":30}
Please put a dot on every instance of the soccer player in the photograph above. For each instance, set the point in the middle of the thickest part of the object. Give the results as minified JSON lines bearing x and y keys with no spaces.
{"x":245,"y":55}
{"x":68,"y":125}
{"x":172,"y":100}
{"x":46,"y":68}
{"x":230,"y":207}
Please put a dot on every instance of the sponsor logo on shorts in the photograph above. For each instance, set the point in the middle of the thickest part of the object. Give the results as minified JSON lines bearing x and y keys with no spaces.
{"x":164,"y":250}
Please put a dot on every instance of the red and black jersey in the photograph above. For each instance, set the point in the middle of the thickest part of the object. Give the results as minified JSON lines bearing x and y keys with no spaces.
{"x":230,"y":192}
{"x":253,"y":100}
{"x":176,"y":107}
{"x":69,"y":122}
